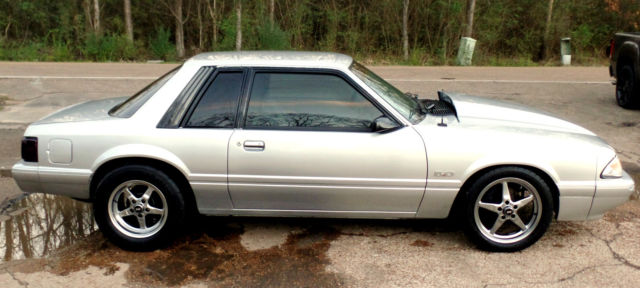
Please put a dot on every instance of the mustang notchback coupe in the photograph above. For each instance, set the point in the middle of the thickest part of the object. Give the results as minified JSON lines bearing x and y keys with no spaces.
{"x":316,"y":135}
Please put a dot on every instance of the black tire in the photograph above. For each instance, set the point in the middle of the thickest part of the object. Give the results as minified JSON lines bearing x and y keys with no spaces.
{"x":627,"y":88}
{"x":154,"y":220}
{"x":516,"y":227}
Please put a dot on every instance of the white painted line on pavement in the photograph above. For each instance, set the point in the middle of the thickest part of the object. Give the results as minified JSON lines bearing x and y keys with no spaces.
{"x":80,"y":77}
{"x":500,"y":81}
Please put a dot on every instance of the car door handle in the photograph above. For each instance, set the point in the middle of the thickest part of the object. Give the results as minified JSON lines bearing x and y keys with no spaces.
{"x":253,"y":145}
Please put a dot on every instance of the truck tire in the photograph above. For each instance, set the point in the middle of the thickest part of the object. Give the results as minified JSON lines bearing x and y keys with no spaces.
{"x":627,"y":88}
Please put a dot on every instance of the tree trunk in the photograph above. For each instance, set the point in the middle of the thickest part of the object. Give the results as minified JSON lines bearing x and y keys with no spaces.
{"x":547,"y":28}
{"x":96,"y":16}
{"x":179,"y":29}
{"x":272,"y":8}
{"x":200,"y":28}
{"x":127,"y":19}
{"x":239,"y":26}
{"x":471,"y":7}
{"x":405,"y":33}
{"x":212,"y":13}
{"x":86,"y":5}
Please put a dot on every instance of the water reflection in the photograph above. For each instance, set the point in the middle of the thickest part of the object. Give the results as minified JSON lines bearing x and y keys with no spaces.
{"x":40,"y":224}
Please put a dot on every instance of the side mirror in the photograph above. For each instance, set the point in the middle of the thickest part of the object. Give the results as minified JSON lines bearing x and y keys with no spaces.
{"x":384,"y":124}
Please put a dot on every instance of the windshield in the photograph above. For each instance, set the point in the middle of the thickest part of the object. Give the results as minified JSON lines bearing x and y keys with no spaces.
{"x":129,"y":107}
{"x":403,"y":103}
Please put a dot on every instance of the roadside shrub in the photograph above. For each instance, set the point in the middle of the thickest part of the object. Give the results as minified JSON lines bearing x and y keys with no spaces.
{"x":161,"y":47}
{"x":272,"y":38}
{"x":110,"y":47}
{"x":228,"y":31}
{"x":31,"y":51}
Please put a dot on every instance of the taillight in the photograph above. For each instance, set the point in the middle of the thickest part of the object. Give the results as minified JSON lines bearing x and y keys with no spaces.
{"x":30,"y":149}
{"x":612,"y":48}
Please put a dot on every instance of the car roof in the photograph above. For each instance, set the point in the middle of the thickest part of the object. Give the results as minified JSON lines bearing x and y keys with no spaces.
{"x":274,"y":59}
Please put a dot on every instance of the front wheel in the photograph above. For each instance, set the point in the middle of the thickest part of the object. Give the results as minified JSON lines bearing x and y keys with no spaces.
{"x":626,"y":87}
{"x":138,"y":207}
{"x":507,"y":209}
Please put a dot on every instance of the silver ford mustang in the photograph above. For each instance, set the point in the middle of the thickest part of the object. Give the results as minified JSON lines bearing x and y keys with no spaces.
{"x":316,"y":135}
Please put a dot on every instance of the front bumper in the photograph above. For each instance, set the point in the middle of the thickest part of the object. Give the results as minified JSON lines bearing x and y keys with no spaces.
{"x":66,"y":181}
{"x":610,"y":193}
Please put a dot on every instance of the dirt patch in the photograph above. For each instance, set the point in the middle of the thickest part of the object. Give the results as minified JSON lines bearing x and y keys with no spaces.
{"x":421,"y":243}
{"x":633,"y":170}
{"x":627,"y":212}
{"x":215,"y":256}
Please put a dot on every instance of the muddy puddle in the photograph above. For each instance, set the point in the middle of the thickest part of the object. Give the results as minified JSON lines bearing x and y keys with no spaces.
{"x":38,"y":225}
{"x":57,"y":234}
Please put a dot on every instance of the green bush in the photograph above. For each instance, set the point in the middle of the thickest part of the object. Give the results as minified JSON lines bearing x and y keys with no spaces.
{"x":31,"y":51}
{"x":161,"y":47}
{"x":228,"y":29}
{"x":272,"y":38}
{"x":110,"y":47}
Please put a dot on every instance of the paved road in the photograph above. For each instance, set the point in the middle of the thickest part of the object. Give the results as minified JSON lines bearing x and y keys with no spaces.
{"x":51,"y":241}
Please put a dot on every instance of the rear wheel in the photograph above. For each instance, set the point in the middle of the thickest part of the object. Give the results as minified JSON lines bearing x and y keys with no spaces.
{"x":507,"y":209}
{"x":138,"y":207}
{"x":626,"y":87}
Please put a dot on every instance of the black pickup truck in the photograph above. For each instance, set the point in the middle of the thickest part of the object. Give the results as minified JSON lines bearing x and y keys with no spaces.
{"x":624,"y":53}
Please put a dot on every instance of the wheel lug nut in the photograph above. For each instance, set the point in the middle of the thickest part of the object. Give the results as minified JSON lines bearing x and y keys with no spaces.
{"x":148,"y":209}
{"x":140,"y":215}
{"x":515,"y":206}
{"x":143,"y":201}
{"x":506,"y":202}
{"x":513,"y":216}
{"x":499,"y":208}
{"x":502,"y":217}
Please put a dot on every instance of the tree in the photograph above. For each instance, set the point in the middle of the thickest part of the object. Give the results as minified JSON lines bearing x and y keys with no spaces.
{"x":176,"y":11}
{"x":200,"y":26}
{"x":547,"y":28}
{"x":272,"y":8}
{"x":471,"y":7}
{"x":93,"y":19}
{"x":239,"y":25}
{"x":96,"y":16}
{"x":214,"y":22}
{"x":405,"y":33}
{"x":127,"y":19}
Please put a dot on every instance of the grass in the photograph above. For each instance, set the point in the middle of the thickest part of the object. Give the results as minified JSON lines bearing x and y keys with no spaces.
{"x":3,"y":100}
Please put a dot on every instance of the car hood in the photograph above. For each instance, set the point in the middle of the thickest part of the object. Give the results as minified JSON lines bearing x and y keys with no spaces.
{"x":85,"y":111}
{"x":472,"y":109}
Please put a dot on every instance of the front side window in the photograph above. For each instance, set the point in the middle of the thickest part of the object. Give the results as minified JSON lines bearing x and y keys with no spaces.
{"x":308,"y":101}
{"x":403,"y":103}
{"x":218,"y":105}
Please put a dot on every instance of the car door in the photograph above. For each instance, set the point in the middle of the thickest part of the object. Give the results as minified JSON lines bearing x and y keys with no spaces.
{"x":306,"y":145}
{"x":197,"y":129}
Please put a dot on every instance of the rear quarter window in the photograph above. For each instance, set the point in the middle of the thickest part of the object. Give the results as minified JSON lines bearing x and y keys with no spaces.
{"x":129,"y":107}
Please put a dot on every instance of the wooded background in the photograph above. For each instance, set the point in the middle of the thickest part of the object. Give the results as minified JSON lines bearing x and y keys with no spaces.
{"x":415,"y":32}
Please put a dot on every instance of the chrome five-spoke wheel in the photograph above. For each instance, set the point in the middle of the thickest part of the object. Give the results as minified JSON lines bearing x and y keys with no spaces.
{"x":507,"y":209}
{"x":137,"y":209}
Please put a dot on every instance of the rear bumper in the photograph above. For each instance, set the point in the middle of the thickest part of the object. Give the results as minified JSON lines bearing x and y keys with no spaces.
{"x":52,"y":180}
{"x":610,"y":193}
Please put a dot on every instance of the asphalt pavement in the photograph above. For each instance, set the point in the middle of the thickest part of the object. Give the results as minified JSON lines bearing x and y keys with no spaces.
{"x":49,"y":241}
